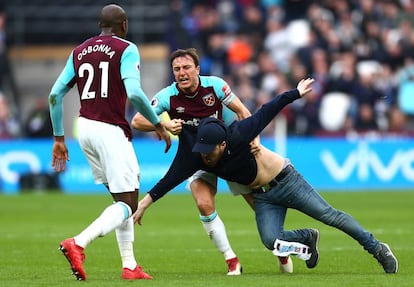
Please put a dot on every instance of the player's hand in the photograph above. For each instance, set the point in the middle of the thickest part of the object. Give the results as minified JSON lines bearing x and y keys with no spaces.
{"x":137,"y":216}
{"x":174,"y":126}
{"x":143,"y":204}
{"x":162,"y":134}
{"x":255,"y":145}
{"x":304,"y":86}
{"x":60,"y":154}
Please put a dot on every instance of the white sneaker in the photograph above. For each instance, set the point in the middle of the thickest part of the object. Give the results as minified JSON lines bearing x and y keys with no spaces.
{"x":285,"y":264}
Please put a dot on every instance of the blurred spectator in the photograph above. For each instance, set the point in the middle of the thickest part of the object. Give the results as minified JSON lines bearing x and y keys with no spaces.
{"x":398,"y":125}
{"x":368,"y":98}
{"x":346,"y":28}
{"x":277,"y":40}
{"x":405,"y":87}
{"x":343,"y":77}
{"x":240,"y":50}
{"x":9,"y":125}
{"x":215,"y":58}
{"x":365,"y":119}
{"x":252,"y":24}
{"x":332,"y":41}
{"x":180,"y":28}
{"x":38,"y":123}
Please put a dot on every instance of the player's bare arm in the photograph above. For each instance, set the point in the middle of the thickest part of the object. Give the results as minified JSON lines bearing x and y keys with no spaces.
{"x":142,"y":206}
{"x":139,"y":122}
{"x":162,"y":134}
{"x":239,"y":108}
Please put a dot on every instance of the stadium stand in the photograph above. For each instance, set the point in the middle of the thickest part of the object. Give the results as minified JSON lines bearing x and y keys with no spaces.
{"x":67,"y":22}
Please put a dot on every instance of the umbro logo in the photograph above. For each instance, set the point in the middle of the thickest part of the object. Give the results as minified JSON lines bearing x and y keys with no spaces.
{"x":180,"y":110}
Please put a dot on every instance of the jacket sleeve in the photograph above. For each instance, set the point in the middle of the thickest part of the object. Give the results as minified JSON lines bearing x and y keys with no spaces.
{"x":252,"y":126}
{"x":185,"y":163}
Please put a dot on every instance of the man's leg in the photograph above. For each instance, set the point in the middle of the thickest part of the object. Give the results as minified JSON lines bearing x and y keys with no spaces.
{"x":112,"y":217}
{"x":125,"y":238}
{"x":203,"y":194}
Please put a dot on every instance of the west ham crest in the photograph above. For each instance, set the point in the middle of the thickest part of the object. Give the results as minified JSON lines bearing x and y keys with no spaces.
{"x":209,"y":100}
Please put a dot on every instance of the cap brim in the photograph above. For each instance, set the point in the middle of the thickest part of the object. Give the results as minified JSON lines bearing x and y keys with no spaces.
{"x":203,"y":148}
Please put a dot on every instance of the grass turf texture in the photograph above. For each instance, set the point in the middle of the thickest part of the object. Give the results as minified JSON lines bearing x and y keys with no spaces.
{"x":173,"y":247}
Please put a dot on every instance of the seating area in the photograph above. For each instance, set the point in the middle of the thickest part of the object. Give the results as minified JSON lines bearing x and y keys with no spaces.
{"x":72,"y":21}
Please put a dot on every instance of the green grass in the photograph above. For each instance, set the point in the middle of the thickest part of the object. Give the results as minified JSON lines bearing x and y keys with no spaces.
{"x":173,"y":247}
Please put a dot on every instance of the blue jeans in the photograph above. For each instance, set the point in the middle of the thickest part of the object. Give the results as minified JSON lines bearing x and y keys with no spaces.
{"x":293,"y":191}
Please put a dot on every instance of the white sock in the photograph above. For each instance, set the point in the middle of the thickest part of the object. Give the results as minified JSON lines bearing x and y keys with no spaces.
{"x":125,"y":238}
{"x":217,"y":232}
{"x":112,"y":217}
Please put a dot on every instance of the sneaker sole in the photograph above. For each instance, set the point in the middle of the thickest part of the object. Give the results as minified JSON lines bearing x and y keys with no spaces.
{"x":236,"y":272}
{"x":75,"y":272}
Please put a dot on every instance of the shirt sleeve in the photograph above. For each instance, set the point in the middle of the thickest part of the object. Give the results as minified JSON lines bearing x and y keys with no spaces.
{"x":223,"y":90}
{"x":161,"y":101}
{"x":59,"y":89}
{"x":130,"y":73}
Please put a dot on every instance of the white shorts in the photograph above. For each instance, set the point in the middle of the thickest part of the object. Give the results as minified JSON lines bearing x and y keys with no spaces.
{"x":211,"y":178}
{"x":110,"y":154}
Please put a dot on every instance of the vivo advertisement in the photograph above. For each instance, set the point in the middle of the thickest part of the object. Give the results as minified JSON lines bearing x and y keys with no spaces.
{"x":328,"y":164}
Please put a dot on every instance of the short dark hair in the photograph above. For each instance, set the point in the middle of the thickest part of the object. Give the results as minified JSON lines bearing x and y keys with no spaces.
{"x":192,"y":52}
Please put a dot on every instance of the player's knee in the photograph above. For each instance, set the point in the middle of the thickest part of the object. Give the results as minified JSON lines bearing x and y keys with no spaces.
{"x":201,"y":187}
{"x":133,"y":207}
{"x":205,"y":207}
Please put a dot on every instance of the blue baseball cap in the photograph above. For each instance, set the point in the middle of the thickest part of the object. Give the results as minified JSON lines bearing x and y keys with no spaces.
{"x":210,"y":133}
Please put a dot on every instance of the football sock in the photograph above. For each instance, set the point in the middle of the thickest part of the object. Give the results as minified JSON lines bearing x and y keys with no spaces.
{"x":112,"y":217}
{"x":125,"y":239}
{"x":217,"y":232}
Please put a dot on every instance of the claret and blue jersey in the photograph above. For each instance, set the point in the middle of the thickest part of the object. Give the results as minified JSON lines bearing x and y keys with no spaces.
{"x":238,"y":164}
{"x":105,"y":69}
{"x":210,"y":99}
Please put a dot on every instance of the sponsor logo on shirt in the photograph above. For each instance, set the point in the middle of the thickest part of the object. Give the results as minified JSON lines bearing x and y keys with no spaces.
{"x":196,"y":121}
{"x":180,"y":110}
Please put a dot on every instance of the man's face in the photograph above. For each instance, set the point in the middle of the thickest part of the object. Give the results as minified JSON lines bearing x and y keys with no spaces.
{"x":211,"y":159}
{"x":186,"y":73}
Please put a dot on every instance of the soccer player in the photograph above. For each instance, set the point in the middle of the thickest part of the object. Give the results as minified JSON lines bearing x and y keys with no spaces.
{"x":190,"y":98}
{"x":276,"y":184}
{"x":105,"y":69}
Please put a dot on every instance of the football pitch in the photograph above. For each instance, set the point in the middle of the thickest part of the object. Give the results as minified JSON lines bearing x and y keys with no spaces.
{"x":173,"y":247}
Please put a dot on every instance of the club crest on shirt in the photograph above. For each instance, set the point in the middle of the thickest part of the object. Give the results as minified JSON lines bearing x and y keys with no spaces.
{"x":209,"y":100}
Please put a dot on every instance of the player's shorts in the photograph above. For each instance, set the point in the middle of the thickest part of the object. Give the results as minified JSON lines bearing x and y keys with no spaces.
{"x":110,"y":154}
{"x":211,"y":178}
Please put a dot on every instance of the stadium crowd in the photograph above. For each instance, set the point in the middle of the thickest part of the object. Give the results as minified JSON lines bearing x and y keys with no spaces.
{"x":359,"y":52}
